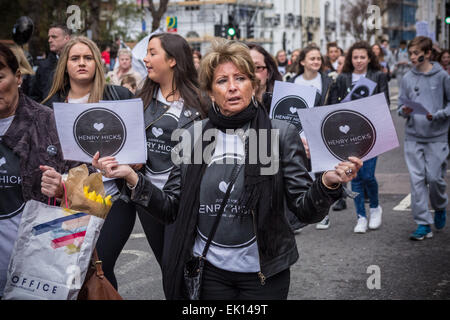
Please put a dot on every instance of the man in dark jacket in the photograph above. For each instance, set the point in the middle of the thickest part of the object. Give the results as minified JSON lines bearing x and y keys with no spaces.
{"x":58,"y":36}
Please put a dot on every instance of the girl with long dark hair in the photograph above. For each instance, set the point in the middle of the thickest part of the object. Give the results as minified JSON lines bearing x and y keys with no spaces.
{"x":171,"y":100}
{"x":362,"y":62}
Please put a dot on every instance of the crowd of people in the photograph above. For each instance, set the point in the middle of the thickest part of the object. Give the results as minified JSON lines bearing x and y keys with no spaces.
{"x":228,"y":88}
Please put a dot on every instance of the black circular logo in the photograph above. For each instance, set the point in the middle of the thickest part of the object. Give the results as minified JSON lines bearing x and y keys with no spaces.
{"x":286,"y":109}
{"x":100,"y":130}
{"x":360,"y":92}
{"x":348,"y":133}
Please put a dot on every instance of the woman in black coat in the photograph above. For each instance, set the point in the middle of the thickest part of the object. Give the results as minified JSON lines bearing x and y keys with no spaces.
{"x":253,"y":247}
{"x":362,"y":62}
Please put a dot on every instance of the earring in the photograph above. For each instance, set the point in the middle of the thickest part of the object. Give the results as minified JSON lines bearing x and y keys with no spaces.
{"x":255,"y":103}
{"x":214,"y":107}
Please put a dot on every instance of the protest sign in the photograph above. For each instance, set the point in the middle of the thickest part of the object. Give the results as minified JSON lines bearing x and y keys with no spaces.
{"x":288,"y":98}
{"x":363,"y":88}
{"x":417,"y":108}
{"x":361,"y":128}
{"x":114,"y":128}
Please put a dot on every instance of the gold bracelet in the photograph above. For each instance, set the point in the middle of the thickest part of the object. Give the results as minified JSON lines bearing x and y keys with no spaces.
{"x":337,"y":185}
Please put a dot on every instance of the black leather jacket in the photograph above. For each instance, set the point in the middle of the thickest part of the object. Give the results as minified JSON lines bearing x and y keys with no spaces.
{"x":309,"y":200}
{"x":344,"y":85}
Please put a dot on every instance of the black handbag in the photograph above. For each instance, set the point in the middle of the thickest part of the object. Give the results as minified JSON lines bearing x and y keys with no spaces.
{"x":193,"y":268}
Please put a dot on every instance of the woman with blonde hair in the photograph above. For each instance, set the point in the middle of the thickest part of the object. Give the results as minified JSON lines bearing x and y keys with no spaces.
{"x":253,"y":246}
{"x":25,"y":69}
{"x":124,"y":69}
{"x":79,"y":78}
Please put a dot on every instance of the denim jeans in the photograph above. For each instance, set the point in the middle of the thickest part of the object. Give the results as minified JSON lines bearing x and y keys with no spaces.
{"x":365,"y":180}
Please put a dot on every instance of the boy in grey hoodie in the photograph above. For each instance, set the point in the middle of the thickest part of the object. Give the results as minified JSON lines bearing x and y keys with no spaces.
{"x":426,"y":146}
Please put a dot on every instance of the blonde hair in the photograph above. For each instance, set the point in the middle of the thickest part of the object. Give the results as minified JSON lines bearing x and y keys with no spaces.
{"x":223,"y":51}
{"x":61,"y":78}
{"x":24,"y":65}
{"x":124,"y":51}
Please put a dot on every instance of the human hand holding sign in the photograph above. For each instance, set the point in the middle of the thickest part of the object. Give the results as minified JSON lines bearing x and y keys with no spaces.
{"x":407,"y":110}
{"x":110,"y":168}
{"x":344,"y":172}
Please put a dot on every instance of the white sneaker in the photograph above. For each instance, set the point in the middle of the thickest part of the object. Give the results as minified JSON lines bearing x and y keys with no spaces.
{"x":375,"y":218}
{"x":361,"y":225}
{"x":324,"y":224}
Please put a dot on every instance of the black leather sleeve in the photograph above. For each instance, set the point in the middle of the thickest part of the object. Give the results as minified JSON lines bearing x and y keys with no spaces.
{"x":161,"y":204}
{"x":309,"y":200}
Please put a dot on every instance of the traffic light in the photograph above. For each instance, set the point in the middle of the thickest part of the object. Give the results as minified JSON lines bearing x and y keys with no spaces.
{"x":250,"y":31}
{"x":219,"y":30}
{"x":231,"y":31}
{"x":447,"y":13}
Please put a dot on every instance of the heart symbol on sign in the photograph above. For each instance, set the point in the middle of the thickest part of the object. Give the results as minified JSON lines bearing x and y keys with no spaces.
{"x":98,"y":126}
{"x":344,"y":129}
{"x":223,"y":186}
{"x":157,"y":131}
{"x":293,"y":109}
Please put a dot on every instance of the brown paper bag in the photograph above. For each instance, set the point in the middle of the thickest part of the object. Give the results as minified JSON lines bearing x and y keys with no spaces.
{"x":78,"y":178}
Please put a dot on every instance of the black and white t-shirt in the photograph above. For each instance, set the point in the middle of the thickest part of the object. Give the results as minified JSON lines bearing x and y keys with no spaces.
{"x":11,"y":201}
{"x":234,"y":246}
{"x":159,"y":143}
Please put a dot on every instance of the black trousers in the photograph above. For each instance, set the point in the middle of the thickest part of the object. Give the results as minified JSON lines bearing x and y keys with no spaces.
{"x":117,"y":229}
{"x":220,"y":284}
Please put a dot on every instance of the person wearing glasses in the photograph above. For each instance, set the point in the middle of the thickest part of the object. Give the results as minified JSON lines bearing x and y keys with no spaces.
{"x":266,"y":71}
{"x":426,"y":140}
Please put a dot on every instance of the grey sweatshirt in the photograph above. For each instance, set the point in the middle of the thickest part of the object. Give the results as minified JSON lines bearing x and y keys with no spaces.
{"x":434,"y":94}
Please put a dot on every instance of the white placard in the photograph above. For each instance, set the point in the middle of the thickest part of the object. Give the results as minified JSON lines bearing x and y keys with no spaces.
{"x":288,"y":98}
{"x":361,"y":128}
{"x":115,"y":128}
{"x":363,"y":88}
{"x":417,"y":107}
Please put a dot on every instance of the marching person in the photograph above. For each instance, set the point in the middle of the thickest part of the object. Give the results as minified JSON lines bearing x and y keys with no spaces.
{"x":360,"y":61}
{"x":267,"y":72}
{"x":79,"y":78}
{"x":58,"y":37}
{"x":426,"y":144}
{"x":170,"y":95}
{"x":30,"y":155}
{"x":253,"y":247}
{"x":310,"y":74}
{"x":379,"y":53}
{"x":282,"y":61}
{"x":402,"y":64}
{"x":124,"y":69}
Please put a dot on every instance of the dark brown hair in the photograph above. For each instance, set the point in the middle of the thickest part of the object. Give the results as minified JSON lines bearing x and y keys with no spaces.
{"x":424,"y":43}
{"x":272,"y":70}
{"x":302,"y":57}
{"x":8,"y":59}
{"x":374,"y":65}
{"x":332,"y":45}
{"x":129,"y":79}
{"x":185,"y":79}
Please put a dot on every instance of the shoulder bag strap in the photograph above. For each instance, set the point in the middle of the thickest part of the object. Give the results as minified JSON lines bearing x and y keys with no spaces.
{"x":234,"y":175}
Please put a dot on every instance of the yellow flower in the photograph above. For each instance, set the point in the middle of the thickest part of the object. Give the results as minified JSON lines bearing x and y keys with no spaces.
{"x":92,"y":196}
{"x":108,"y":200}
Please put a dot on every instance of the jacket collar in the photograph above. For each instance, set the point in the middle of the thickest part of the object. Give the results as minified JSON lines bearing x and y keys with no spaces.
{"x":23,"y":119}
{"x":156,"y":109}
